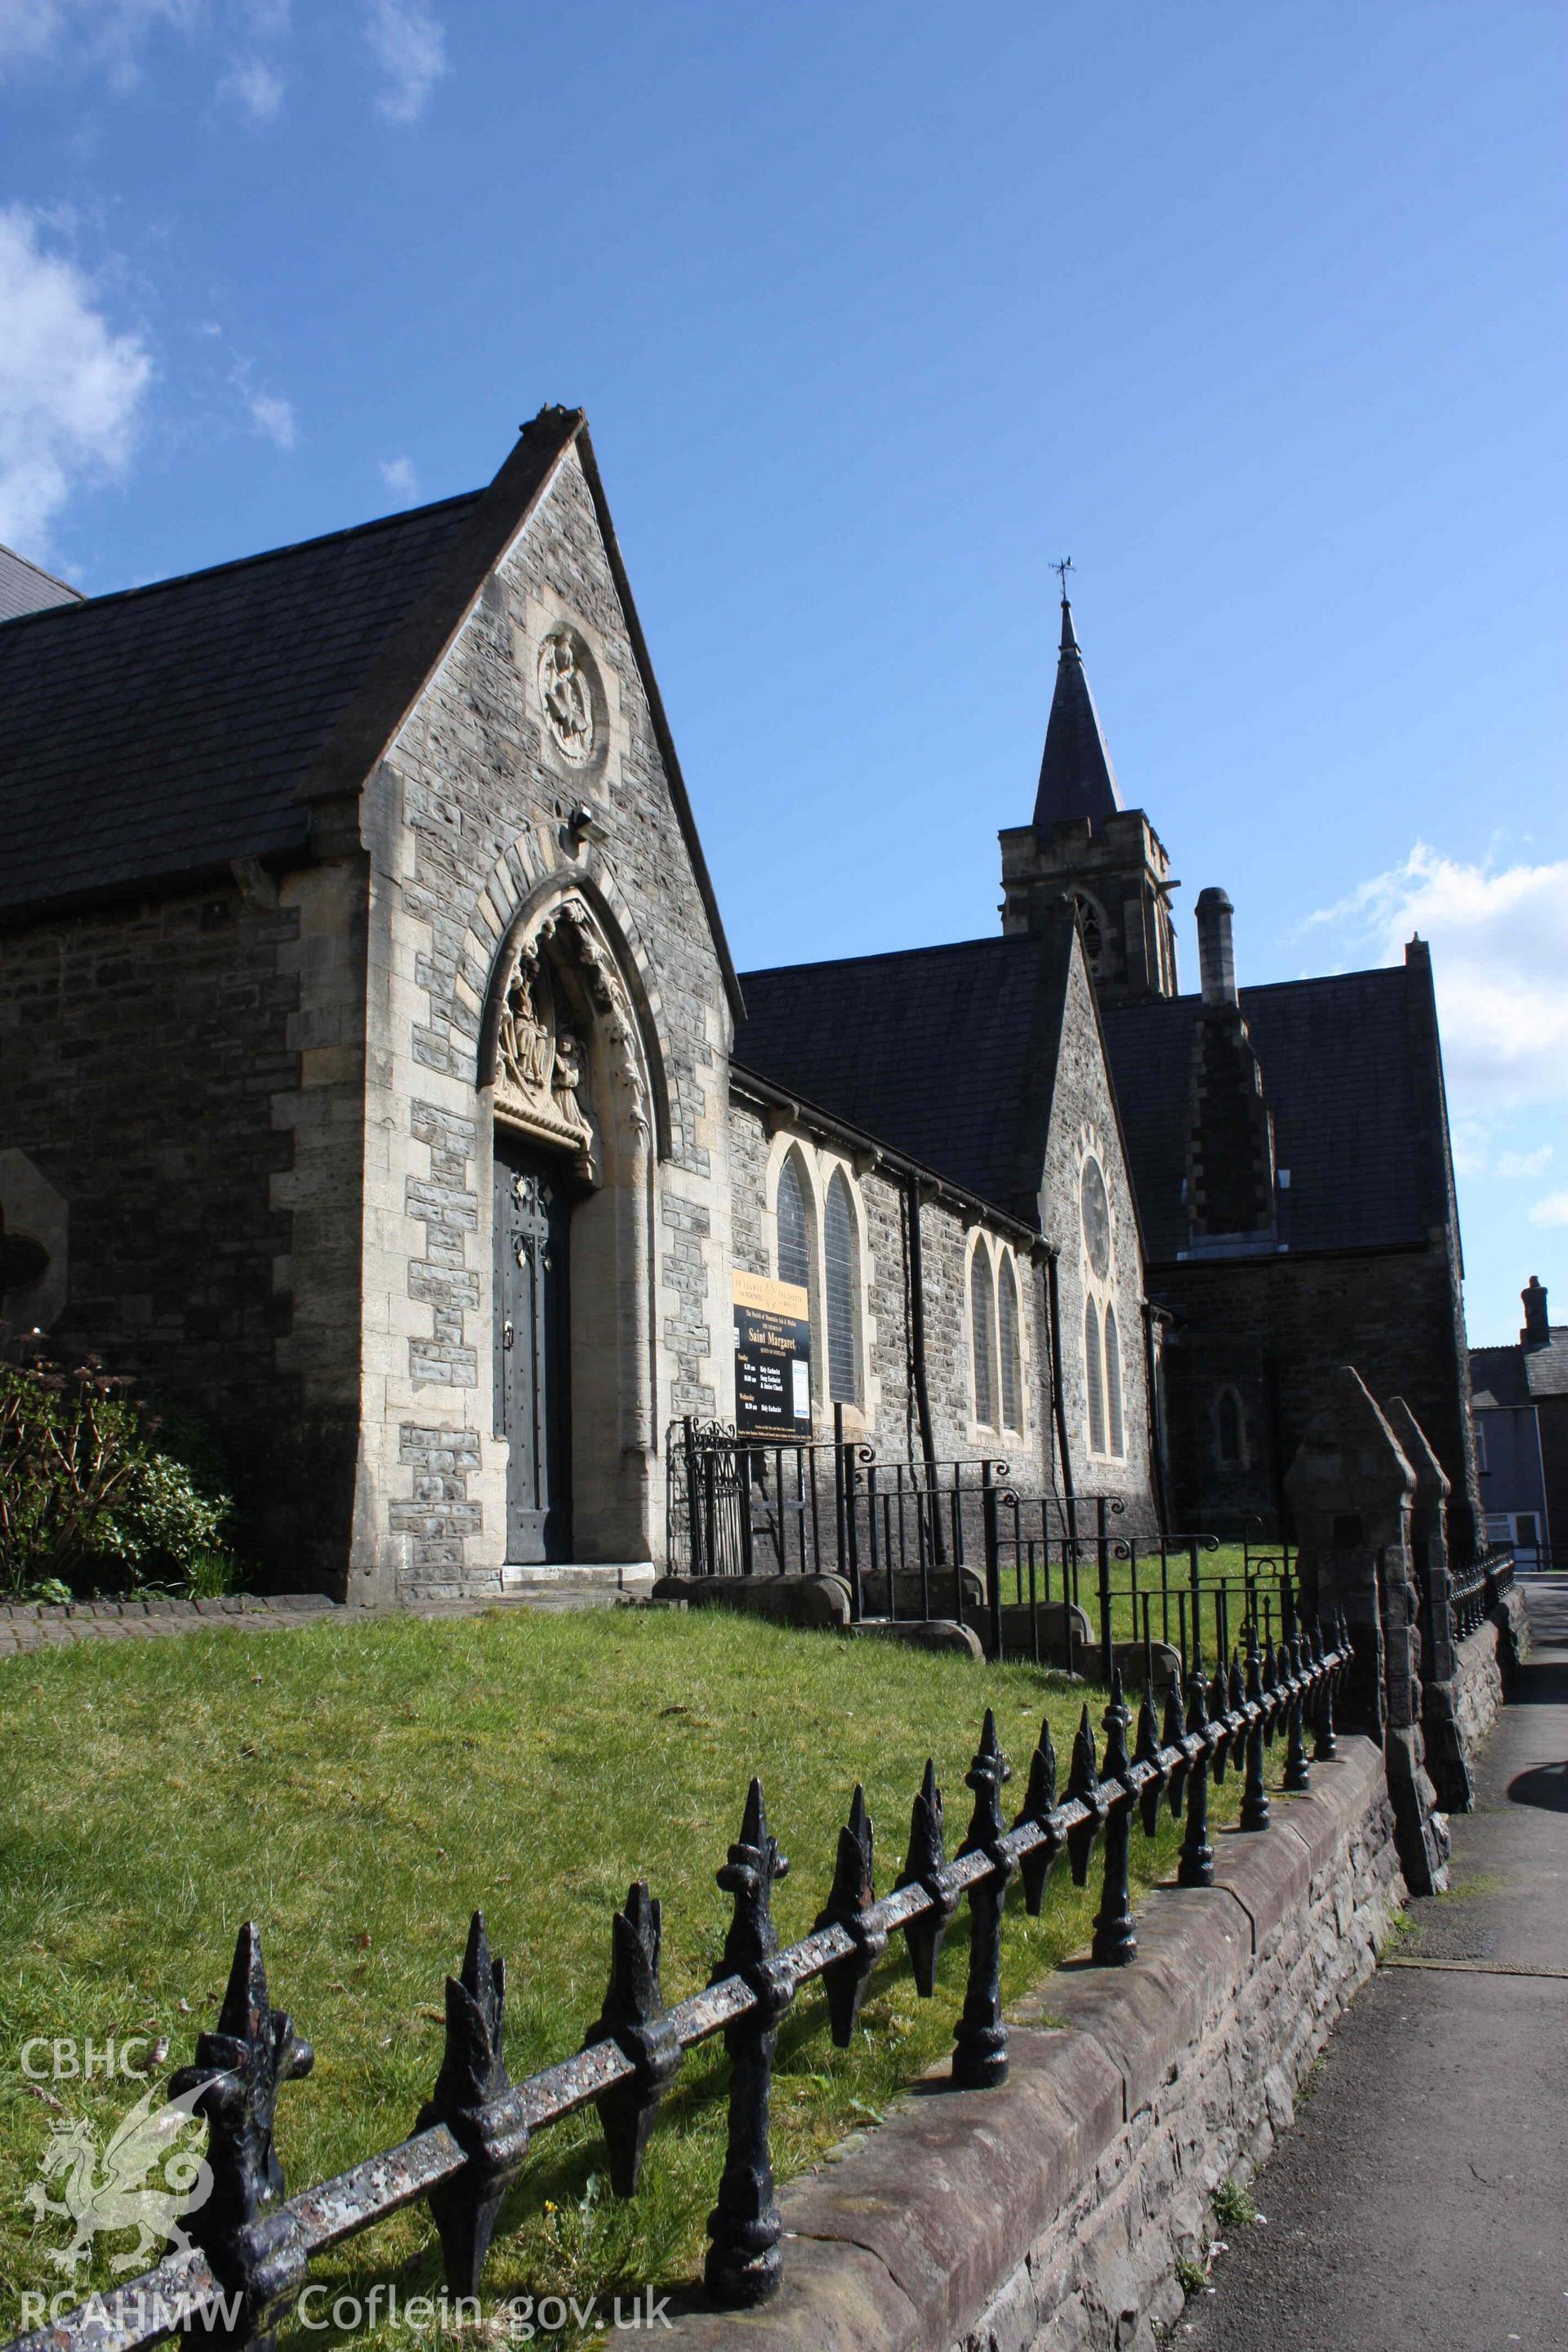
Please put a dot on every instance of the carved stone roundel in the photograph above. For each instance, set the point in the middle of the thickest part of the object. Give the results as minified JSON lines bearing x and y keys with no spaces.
{"x":566,"y":698}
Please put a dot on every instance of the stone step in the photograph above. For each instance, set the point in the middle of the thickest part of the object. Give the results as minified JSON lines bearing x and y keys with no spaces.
{"x":544,"y":1584}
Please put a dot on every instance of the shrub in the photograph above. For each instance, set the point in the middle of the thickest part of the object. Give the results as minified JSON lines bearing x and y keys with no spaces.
{"x":97,"y":1493}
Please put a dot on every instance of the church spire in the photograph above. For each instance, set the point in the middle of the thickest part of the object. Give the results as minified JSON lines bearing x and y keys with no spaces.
{"x":1083,"y":846}
{"x":1077,"y":779}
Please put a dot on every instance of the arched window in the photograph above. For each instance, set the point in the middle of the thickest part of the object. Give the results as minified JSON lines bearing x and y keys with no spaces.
{"x":843,"y":1283}
{"x":1091,"y":930}
{"x":1113,"y":1381}
{"x":795,"y":1238}
{"x":1007,"y":1327}
{"x":1227,"y":1425}
{"x":983,"y":1337}
{"x":1094,"y":1375}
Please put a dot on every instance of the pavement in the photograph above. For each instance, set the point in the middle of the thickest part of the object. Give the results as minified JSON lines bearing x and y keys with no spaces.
{"x":1421,"y":2203}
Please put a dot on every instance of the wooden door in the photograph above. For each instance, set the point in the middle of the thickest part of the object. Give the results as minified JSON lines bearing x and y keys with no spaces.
{"x":532,"y":1229}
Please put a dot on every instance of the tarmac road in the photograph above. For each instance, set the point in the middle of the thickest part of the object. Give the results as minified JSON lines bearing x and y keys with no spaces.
{"x":1421,"y":2203}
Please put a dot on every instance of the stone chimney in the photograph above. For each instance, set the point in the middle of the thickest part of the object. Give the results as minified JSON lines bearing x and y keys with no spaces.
{"x":1217,"y":952}
{"x":1230,"y":1129}
{"x":1536,"y":1331}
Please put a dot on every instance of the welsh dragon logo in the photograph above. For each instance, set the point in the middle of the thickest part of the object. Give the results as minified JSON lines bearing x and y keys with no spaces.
{"x":117,"y":2193}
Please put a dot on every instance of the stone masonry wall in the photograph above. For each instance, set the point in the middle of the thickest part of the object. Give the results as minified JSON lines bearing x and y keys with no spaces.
{"x":1083,"y":1119}
{"x":464,"y":827}
{"x":889,"y":1416}
{"x":1478,"y":1691}
{"x":156,"y":1065}
{"x":1259,"y":1325}
{"x":1049,"y":2215}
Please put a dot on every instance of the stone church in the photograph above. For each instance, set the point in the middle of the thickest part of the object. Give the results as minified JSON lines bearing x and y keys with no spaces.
{"x":376,"y":1082}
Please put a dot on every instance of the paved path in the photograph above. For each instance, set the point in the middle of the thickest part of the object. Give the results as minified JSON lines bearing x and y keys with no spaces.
{"x":26,"y":1627}
{"x":1421,"y":2203}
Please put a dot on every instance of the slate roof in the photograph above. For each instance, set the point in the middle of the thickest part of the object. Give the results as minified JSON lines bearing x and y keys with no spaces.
{"x":1077,"y":778}
{"x":947,"y":1053}
{"x":164,"y":730}
{"x":26,"y":588}
{"x":170,"y":730}
{"x":1339,"y":1073}
{"x":1519,"y":1375}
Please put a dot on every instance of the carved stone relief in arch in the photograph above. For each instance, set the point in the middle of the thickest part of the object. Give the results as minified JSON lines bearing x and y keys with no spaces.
{"x":566,"y":1059}
{"x":574,"y":909}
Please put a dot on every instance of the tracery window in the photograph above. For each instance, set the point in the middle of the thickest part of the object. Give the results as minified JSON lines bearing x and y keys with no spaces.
{"x":1007,"y":1329}
{"x":1095,"y":1378}
{"x":841,"y":1253}
{"x":983,"y":1337}
{"x":794,"y":1227}
{"x":1114,"y":1383}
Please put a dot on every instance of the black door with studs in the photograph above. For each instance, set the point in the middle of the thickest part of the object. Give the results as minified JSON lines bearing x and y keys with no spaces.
{"x":532,"y":1226}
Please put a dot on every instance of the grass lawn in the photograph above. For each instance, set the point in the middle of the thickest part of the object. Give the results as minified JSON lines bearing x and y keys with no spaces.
{"x":361,"y":1788}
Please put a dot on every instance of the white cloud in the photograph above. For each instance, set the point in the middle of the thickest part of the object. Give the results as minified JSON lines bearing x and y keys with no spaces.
{"x":398,"y":474}
{"x":1553,"y":1211}
{"x":273,"y":418}
{"x":1499,"y":962}
{"x":70,"y":388}
{"x":409,"y":43}
{"x":1523,"y":1164}
{"x":85,"y":32}
{"x":255,"y":87}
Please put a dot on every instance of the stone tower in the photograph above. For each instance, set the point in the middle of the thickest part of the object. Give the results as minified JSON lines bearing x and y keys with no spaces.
{"x":1083,"y":844}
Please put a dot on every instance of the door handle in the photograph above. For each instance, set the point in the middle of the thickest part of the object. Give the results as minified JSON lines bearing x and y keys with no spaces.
{"x":506,"y":1333}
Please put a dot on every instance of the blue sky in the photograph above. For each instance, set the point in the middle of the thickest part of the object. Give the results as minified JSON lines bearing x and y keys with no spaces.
{"x":1254,"y":310}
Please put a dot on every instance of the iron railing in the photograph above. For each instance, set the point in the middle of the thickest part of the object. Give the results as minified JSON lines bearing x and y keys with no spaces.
{"x":252,"y":2245}
{"x":1036,"y":1577}
{"x":1476,"y":1590}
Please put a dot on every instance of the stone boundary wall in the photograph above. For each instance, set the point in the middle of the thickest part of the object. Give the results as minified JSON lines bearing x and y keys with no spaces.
{"x":1478,"y":1676}
{"x":1049,"y":2215}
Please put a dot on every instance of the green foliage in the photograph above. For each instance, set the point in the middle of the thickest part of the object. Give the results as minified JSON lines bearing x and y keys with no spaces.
{"x":95,"y":1493}
{"x":1233,"y":2204}
{"x":1190,"y":2275}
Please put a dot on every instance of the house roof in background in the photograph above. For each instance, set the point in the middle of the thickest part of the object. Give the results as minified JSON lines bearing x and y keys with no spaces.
{"x":27,"y":587}
{"x":1517,"y":1375}
{"x":947,"y":1053}
{"x":1338,"y":1075}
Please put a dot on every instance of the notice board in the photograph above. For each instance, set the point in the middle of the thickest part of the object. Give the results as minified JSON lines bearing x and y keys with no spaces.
{"x":773,"y":1358}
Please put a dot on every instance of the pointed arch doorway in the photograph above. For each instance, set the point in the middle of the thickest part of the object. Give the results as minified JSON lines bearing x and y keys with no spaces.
{"x":571,"y":1200}
{"x":533,"y":1199}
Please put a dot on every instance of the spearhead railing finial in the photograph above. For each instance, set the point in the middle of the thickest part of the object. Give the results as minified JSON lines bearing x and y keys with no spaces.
{"x":849,"y":1902}
{"x":634,"y":2018}
{"x":743,"y":2264}
{"x":924,"y":1862}
{"x":247,"y":2233}
{"x":1039,"y":1804}
{"x":470,"y":2093}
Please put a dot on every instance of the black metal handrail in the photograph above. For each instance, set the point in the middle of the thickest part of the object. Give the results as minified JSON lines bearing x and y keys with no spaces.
{"x":254,"y":2246}
{"x":1475,"y":1592}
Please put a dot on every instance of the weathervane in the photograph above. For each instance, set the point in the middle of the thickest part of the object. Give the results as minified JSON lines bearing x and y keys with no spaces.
{"x":1062,"y":570}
